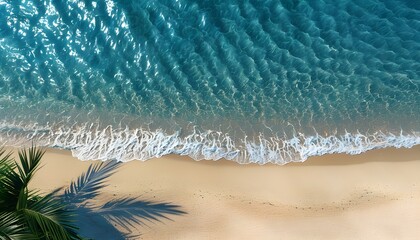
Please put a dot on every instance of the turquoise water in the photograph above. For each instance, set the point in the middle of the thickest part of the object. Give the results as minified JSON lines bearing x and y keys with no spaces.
{"x":250,"y":81}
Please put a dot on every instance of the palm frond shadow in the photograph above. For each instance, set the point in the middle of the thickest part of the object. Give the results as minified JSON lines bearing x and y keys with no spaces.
{"x":122,"y":213}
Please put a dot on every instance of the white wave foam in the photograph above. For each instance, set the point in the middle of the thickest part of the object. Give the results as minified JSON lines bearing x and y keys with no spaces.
{"x":90,"y":142}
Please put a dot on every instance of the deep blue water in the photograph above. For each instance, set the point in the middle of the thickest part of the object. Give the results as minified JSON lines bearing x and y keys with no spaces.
{"x":251,"y":81}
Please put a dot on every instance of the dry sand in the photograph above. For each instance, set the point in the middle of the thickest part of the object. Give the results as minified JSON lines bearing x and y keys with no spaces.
{"x":375,"y":195}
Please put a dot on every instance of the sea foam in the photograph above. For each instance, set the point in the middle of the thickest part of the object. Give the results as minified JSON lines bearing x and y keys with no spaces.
{"x":88,"y":142}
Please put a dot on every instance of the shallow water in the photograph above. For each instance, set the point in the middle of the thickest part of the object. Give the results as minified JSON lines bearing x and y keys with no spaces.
{"x":250,"y":81}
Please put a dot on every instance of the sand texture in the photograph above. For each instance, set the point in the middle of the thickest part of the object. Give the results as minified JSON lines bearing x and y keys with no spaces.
{"x":375,"y":195}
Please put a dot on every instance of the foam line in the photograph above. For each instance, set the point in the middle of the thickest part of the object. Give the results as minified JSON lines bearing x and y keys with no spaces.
{"x":89,"y":142}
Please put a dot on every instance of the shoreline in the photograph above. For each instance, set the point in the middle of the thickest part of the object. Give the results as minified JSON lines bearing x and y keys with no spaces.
{"x":131,"y":144}
{"x":373,"y":195}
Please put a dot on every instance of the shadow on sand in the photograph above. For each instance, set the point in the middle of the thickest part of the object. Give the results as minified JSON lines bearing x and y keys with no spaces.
{"x":103,"y":222}
{"x":113,"y":219}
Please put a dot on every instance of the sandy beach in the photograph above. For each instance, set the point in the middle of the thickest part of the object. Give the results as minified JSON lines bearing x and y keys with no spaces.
{"x":375,"y":195}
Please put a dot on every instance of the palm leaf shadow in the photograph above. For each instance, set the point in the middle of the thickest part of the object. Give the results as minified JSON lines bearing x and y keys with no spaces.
{"x":98,"y":222}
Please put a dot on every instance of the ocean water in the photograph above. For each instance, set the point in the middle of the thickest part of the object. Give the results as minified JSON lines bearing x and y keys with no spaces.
{"x":250,"y":81}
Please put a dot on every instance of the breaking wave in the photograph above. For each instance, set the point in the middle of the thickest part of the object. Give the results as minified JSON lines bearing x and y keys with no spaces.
{"x":90,"y":142}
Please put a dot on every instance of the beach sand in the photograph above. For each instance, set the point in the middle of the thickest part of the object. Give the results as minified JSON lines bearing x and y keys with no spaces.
{"x":374,"y":195}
